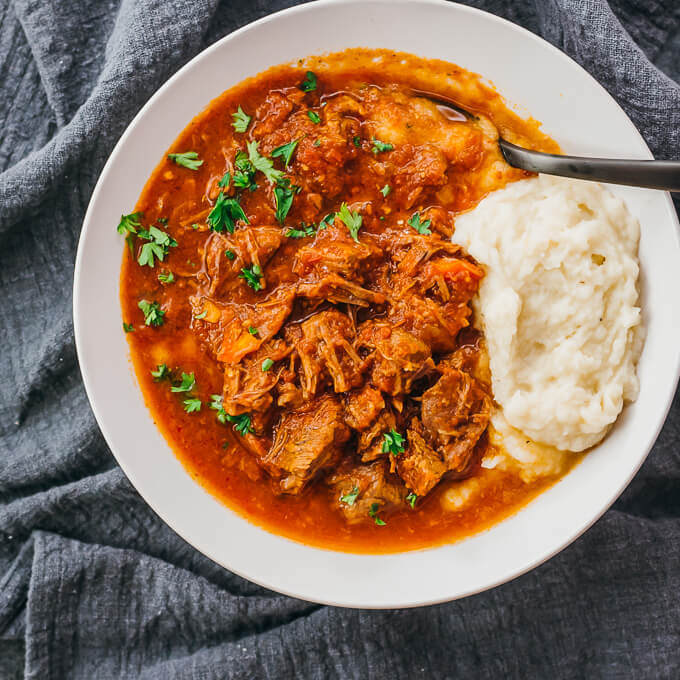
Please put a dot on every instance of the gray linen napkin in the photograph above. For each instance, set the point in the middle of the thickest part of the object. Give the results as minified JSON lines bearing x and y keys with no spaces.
{"x":92,"y":583}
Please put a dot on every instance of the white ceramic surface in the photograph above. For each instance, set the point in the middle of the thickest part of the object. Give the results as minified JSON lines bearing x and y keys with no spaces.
{"x":533,"y":76}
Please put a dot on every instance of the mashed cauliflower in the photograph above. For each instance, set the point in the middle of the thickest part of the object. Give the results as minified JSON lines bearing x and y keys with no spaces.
{"x":558,"y":306}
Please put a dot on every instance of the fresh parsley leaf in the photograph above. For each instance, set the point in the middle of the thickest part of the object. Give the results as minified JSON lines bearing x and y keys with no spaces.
{"x":202,"y":315}
{"x":159,"y":244}
{"x":351,"y":497}
{"x":411,"y":499}
{"x":192,"y":404}
{"x":356,"y":140}
{"x":128,"y":327}
{"x":252,"y":276}
{"x":195,"y":225}
{"x":162,"y":220}
{"x":314,"y":117}
{"x":309,"y":83}
{"x":161,"y":372}
{"x":230,"y":254}
{"x":244,"y":177}
{"x":225,"y":214}
{"x":188,"y":159}
{"x":225,"y":444}
{"x":421,"y":227}
{"x":285,"y":151}
{"x":385,"y":191}
{"x":373,"y":512}
{"x":266,"y":365}
{"x":241,"y":423}
{"x":166,"y":278}
{"x":153,"y":314}
{"x":216,"y":405}
{"x":252,"y":330}
{"x":379,"y":147}
{"x":241,"y":120}
{"x":224,"y":182}
{"x":188,"y":383}
{"x":316,"y":142}
{"x":264,"y":165}
{"x":283,"y":196}
{"x":129,"y":223}
{"x":352,"y":220}
{"x":327,"y":221}
{"x":304,"y":231}
{"x":393,"y":443}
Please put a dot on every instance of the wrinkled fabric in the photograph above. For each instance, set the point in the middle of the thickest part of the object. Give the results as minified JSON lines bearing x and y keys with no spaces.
{"x":92,"y":583}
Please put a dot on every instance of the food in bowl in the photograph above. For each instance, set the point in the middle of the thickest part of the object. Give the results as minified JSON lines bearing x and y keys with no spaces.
{"x":300,"y":322}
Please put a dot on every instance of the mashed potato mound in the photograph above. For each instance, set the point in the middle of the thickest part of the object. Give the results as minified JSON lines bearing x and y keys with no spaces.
{"x":558,"y":306}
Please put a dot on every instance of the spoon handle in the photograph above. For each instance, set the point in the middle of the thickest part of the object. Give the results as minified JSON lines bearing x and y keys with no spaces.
{"x":649,"y":174}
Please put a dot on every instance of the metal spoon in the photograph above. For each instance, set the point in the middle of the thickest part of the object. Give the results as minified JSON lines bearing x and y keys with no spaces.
{"x":648,"y":174}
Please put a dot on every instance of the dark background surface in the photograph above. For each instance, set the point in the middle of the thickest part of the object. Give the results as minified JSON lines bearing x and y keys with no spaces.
{"x":92,"y":583}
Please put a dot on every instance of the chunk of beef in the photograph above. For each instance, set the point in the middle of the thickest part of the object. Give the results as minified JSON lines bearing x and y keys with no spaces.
{"x":306,"y":441}
{"x":362,"y":407}
{"x":247,"y":388}
{"x":397,"y":357}
{"x":323,"y":344}
{"x":370,"y":444}
{"x":417,"y":168}
{"x":334,"y":251}
{"x":335,"y":289}
{"x":372,"y":484}
{"x":456,"y":412}
{"x":420,"y":466}
{"x":252,"y":246}
{"x":433,"y":323}
{"x":225,"y":326}
{"x":271,"y":114}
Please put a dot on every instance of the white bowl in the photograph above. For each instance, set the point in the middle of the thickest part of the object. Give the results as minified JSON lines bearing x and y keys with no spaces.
{"x":531,"y":74}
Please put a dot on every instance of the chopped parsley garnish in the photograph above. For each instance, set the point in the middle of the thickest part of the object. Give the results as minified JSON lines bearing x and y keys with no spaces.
{"x":373,"y":512}
{"x":379,"y":147}
{"x":385,"y":191}
{"x":309,"y":83}
{"x":316,"y":142}
{"x":241,"y":423}
{"x":352,"y":220}
{"x":422,"y":227}
{"x":192,"y":404}
{"x":266,"y":365}
{"x":225,"y":444}
{"x":350,"y":497}
{"x":216,"y":405}
{"x":225,"y":213}
{"x":160,"y":373}
{"x":128,"y":327}
{"x":159,"y":243}
{"x":188,"y":159}
{"x":153,"y":314}
{"x":224,"y":182}
{"x":285,"y":151}
{"x":252,"y":330}
{"x":283,"y":195}
{"x":202,"y":315}
{"x":188,"y":383}
{"x":129,"y":223}
{"x":304,"y":231}
{"x":327,"y":221}
{"x":252,"y":276}
{"x":314,"y":117}
{"x":244,"y":177}
{"x":264,"y":165}
{"x":393,"y":443}
{"x":411,"y":499}
{"x":241,"y":120}
{"x":162,"y":220}
{"x":356,"y":140}
{"x":230,"y":254}
{"x":195,"y":225}
{"x":166,"y":278}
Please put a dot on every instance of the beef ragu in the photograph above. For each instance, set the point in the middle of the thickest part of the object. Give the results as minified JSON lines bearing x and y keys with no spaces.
{"x":299,"y":319}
